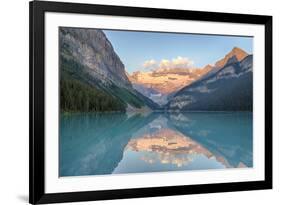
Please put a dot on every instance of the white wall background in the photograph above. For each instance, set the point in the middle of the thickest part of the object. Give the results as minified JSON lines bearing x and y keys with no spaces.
{"x":14,"y":100}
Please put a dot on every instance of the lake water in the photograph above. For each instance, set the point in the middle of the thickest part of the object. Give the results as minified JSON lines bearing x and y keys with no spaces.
{"x":113,"y":143}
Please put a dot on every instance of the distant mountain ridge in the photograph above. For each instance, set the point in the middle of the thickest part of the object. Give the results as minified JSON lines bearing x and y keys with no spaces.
{"x":228,"y":87}
{"x":159,"y":83}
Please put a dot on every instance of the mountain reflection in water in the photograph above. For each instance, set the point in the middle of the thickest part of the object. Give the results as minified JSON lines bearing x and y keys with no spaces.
{"x":170,"y":146}
{"x":110,"y":143}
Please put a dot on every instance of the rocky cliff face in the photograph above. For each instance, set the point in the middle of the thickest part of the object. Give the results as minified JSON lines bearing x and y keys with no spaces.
{"x":226,"y":88}
{"x":93,"y":61}
{"x":91,"y":48}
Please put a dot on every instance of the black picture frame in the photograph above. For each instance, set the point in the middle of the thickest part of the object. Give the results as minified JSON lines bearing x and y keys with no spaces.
{"x":37,"y":194}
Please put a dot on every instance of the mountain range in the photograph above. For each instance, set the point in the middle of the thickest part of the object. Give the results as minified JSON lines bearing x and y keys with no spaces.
{"x":93,"y":78}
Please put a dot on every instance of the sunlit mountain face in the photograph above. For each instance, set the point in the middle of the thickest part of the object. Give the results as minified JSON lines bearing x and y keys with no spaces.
{"x":158,"y":84}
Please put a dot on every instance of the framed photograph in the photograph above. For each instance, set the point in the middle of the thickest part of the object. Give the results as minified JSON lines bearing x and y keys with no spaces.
{"x":140,"y":102}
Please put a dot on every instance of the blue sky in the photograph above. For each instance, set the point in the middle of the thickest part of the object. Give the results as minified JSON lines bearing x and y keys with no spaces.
{"x":136,"y":48}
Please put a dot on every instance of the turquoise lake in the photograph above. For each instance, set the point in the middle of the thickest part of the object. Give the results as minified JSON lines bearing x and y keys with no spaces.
{"x":115,"y":143}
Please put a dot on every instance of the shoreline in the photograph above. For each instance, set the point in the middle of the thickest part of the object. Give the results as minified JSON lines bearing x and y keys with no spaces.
{"x":156,"y":111}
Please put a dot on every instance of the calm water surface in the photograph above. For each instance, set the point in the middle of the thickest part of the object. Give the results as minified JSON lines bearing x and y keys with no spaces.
{"x":112,"y":143}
